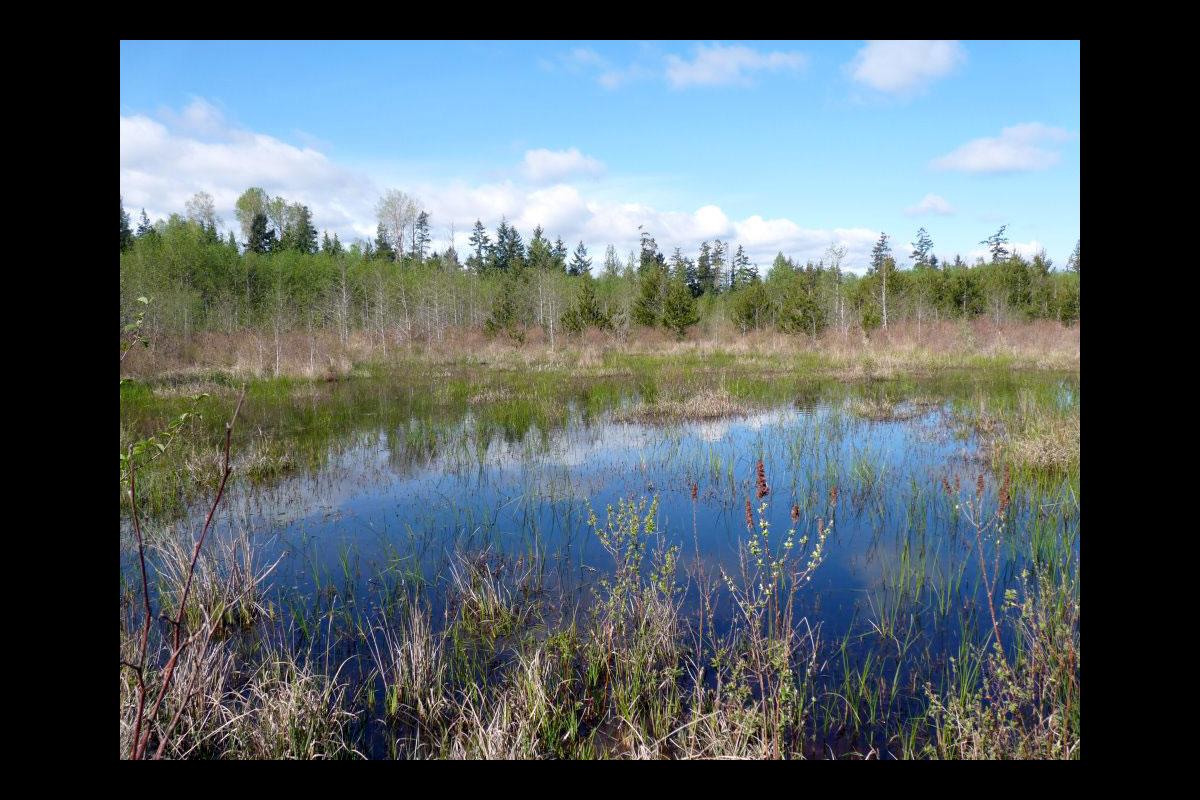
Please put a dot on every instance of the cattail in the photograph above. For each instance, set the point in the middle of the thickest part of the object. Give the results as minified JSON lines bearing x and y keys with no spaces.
{"x":695,"y":491}
{"x":1004,"y":496}
{"x":749,"y":515}
{"x":795,"y":513}
{"x":833,"y":496}
{"x":763,"y":489}
{"x":957,"y":485}
{"x":979,"y":488}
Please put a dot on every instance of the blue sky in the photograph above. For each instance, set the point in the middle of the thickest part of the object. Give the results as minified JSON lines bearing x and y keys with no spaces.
{"x":783,"y":145}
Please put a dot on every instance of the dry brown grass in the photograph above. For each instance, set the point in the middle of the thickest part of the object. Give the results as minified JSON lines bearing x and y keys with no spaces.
{"x":706,"y":405}
{"x":905,"y":348}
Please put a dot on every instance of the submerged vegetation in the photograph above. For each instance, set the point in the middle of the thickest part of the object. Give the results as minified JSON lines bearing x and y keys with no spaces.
{"x":656,"y":647}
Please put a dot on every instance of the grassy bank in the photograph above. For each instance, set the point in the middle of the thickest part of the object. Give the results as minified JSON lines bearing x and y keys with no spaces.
{"x":904,"y":348}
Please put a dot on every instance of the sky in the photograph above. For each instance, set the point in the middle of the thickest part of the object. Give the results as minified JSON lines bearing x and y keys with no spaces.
{"x":785,"y":146}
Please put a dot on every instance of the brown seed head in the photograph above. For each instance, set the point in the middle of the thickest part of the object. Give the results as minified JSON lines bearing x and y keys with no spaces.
{"x":946,"y":486}
{"x":695,"y":491}
{"x":795,"y":513}
{"x":749,"y":515}
{"x":979,"y":488}
{"x":1004,"y":495}
{"x":833,"y":496}
{"x":763,"y":489}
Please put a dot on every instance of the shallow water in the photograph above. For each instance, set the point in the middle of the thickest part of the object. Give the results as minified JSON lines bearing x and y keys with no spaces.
{"x":383,"y":512}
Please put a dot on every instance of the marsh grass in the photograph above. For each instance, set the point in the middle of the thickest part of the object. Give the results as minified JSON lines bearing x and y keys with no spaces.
{"x":485,"y":660}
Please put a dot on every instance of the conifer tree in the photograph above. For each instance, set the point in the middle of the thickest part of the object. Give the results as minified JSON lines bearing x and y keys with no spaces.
{"x":580,"y":263}
{"x":559,"y":254}
{"x":421,"y":237}
{"x":679,"y":308}
{"x":480,"y":244}
{"x":383,"y":245}
{"x":647,"y":308}
{"x":126,"y":232}
{"x":922,"y":249}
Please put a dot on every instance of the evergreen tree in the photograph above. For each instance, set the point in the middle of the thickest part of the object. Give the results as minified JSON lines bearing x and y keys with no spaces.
{"x":382,"y":249}
{"x":126,"y":232}
{"x":144,"y":227}
{"x":719,"y":251}
{"x":540,"y":256}
{"x":326,"y":244}
{"x":421,"y":237}
{"x":262,"y":236}
{"x":647,"y":308}
{"x":923,"y":249}
{"x":612,"y":265}
{"x":1073,"y":261}
{"x":580,"y":263}
{"x":559,"y":254}
{"x":480,"y":244}
{"x":881,"y":265}
{"x":650,"y":257}
{"x":586,"y":312}
{"x":301,"y":235}
{"x":742,"y":273}
{"x":996,"y":244}
{"x":679,"y":308}
{"x":704,"y":271}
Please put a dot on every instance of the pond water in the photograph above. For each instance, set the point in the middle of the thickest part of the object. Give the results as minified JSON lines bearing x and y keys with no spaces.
{"x":393,"y":503}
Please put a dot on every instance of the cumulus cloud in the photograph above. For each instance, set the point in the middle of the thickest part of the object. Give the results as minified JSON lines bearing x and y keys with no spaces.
{"x":1020,"y":148}
{"x":930,"y":204}
{"x":719,"y":65}
{"x":543,"y":166}
{"x":905,"y":67}
{"x":164,"y":161}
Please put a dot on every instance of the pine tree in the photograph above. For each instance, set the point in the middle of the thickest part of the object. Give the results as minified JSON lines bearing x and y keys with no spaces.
{"x":580,"y":263}
{"x":480,"y":243}
{"x":719,"y":252}
{"x":383,"y":245}
{"x":612,"y":265}
{"x":126,"y":232}
{"x":679,"y":308}
{"x":881,"y":263}
{"x":741,"y":272}
{"x":539,"y":255}
{"x":326,"y":244}
{"x":1073,"y":261}
{"x":262,"y":236}
{"x":704,"y":272}
{"x":923,"y":249}
{"x":559,"y":254}
{"x":586,"y":312}
{"x":421,"y":237}
{"x":996,"y":244}
{"x":144,"y":227}
{"x":647,"y":308}
{"x":650,"y":257}
{"x":301,"y":235}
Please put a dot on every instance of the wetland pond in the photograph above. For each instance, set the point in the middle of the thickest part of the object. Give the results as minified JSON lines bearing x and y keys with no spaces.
{"x":392,"y":482}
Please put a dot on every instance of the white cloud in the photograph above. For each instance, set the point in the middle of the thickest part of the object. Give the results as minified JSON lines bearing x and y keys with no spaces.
{"x":719,"y":65}
{"x":162,"y":165}
{"x":930,"y":204}
{"x":905,"y":67}
{"x":543,"y":166}
{"x":1020,"y":148}
{"x":165,"y":161}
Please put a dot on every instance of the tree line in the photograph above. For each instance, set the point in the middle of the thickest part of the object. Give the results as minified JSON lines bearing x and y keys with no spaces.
{"x":283,"y":276}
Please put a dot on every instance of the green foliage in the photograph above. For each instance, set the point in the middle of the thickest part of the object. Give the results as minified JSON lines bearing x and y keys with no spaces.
{"x":679,"y":308}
